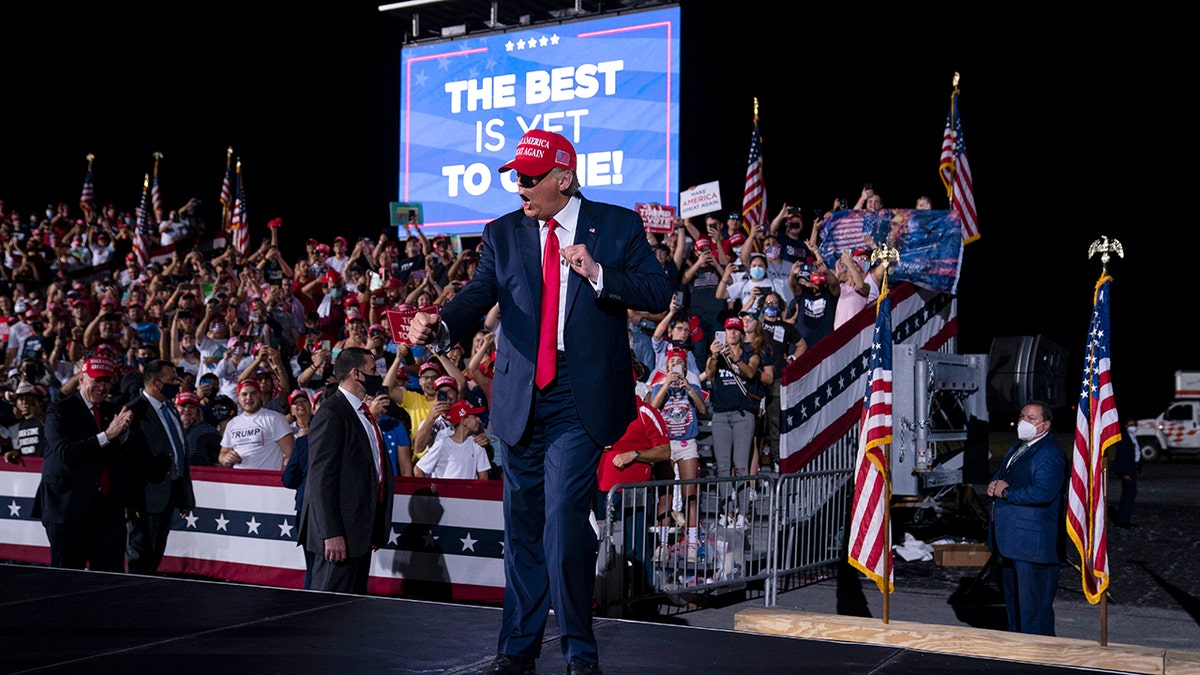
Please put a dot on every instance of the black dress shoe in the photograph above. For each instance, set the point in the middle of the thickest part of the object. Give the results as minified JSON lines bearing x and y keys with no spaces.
{"x":511,"y":665}
{"x":580,"y":668}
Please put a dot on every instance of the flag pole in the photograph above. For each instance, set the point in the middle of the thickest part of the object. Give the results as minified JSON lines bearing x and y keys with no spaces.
{"x":1104,"y":246}
{"x":888,"y":257}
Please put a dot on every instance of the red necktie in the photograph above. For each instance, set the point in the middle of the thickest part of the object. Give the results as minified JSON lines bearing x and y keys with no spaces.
{"x":105,"y":480}
{"x":548,"y":328}
{"x":382,"y":450}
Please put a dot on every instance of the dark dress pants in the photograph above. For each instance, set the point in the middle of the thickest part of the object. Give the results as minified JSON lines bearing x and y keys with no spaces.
{"x":549,"y":545}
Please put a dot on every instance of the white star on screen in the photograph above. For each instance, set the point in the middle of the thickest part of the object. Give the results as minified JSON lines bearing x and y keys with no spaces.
{"x":191,"y":519}
{"x":252,"y":525}
{"x":285,"y":529}
{"x":430,"y":540}
{"x":221,"y":523}
{"x":14,"y":510}
{"x":393,"y":536}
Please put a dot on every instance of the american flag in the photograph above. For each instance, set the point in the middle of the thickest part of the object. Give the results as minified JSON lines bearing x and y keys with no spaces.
{"x":139,"y":239}
{"x":155,"y":196}
{"x":956,"y":172}
{"x":1097,"y":426}
{"x":870,"y":547}
{"x":754,"y":199}
{"x":237,"y":221}
{"x":227,"y":191}
{"x":87,"y":199}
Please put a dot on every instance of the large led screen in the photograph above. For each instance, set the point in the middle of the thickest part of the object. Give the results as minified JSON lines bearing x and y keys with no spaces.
{"x":609,"y":84}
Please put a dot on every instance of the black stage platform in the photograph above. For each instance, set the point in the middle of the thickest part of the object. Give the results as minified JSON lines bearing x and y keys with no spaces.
{"x":61,"y":621}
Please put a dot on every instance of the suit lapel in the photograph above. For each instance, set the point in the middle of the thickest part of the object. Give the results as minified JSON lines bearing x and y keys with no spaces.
{"x":585,"y":233}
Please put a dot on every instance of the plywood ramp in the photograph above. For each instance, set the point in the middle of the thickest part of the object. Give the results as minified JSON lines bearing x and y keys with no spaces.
{"x":967,"y":641}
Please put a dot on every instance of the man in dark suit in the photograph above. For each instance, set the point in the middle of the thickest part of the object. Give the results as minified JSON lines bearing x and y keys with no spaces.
{"x":1027,"y":519}
{"x":1127,"y":470}
{"x":562,"y":388}
{"x":82,"y":498}
{"x":348,"y":489}
{"x":158,"y":457}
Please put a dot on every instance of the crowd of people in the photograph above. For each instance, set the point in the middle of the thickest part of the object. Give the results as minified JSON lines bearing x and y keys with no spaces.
{"x":248,"y":343}
{"x":250,"y":334}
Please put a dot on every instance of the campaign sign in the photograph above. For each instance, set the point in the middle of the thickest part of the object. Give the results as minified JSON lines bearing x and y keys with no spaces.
{"x":700,"y":200}
{"x":609,"y":84}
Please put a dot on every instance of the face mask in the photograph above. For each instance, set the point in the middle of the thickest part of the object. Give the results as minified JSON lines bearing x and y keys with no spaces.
{"x":758,"y":273}
{"x":773,"y":251}
{"x":189,"y":350}
{"x":336,"y":293}
{"x":372,"y":383}
{"x":1026,"y":431}
{"x":141,"y":360}
{"x":169,"y":391}
{"x":771,"y":311}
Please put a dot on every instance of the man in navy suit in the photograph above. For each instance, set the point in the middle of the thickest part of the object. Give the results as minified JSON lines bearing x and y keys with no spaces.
{"x":159,"y":478}
{"x":348,"y":490}
{"x":562,"y":388}
{"x":1027,"y":518}
{"x":82,"y":497}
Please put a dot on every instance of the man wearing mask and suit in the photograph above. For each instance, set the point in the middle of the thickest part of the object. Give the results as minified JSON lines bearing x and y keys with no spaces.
{"x":565,"y":271}
{"x":1027,"y":519}
{"x":81,"y":499}
{"x":348,"y":490}
{"x":158,"y":455}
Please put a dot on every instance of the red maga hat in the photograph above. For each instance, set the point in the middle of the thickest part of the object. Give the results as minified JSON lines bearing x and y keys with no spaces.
{"x":539,"y":151}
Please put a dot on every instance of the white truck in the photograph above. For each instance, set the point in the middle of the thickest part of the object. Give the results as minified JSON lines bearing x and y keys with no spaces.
{"x":1177,"y":430}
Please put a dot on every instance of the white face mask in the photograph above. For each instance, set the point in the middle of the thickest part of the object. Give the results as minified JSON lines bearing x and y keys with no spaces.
{"x":1026,"y":431}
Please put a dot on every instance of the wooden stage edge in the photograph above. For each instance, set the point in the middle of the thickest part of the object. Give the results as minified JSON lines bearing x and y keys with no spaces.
{"x":967,"y":641}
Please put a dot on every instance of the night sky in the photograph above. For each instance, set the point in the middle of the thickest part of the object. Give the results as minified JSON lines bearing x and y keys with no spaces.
{"x":1069,"y":127}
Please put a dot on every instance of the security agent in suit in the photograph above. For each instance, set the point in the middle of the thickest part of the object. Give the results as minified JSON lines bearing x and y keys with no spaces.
{"x":81,"y":499}
{"x":158,"y":458}
{"x":348,"y":490}
{"x":551,"y":437}
{"x":1027,"y":519}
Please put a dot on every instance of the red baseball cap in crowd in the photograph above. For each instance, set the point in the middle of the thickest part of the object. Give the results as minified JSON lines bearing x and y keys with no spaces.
{"x":429,"y":365}
{"x":734,"y":322}
{"x":354,"y":314}
{"x":539,"y":151}
{"x":736,"y":238}
{"x":694,"y":330}
{"x":463,"y":408}
{"x":332,"y":276}
{"x":249,"y":383}
{"x":703,"y":244}
{"x":445,"y":381}
{"x":98,"y":367}
{"x":187,"y":398}
{"x":322,"y":248}
{"x":677,"y":352}
{"x":296,"y":393}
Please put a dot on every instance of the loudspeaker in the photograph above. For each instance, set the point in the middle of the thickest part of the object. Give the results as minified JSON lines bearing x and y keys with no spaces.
{"x":1023,"y":368}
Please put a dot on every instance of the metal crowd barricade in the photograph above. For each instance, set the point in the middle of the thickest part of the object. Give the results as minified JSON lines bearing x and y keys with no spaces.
{"x":646,"y":555}
{"x":810,"y":520}
{"x":784,"y":531}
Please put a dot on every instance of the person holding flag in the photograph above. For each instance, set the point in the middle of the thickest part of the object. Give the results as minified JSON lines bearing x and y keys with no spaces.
{"x":1027,"y":512}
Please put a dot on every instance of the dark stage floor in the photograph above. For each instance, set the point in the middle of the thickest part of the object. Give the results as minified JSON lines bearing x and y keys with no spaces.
{"x":60,"y":621}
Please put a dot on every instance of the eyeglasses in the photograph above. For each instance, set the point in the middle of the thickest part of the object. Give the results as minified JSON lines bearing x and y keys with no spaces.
{"x":529,"y":182}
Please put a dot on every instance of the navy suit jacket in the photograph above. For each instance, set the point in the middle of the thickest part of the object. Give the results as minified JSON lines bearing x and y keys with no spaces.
{"x":596,"y":334}
{"x":1026,"y":526}
{"x":74,"y":461}
{"x":151,"y":458}
{"x":341,"y":494}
